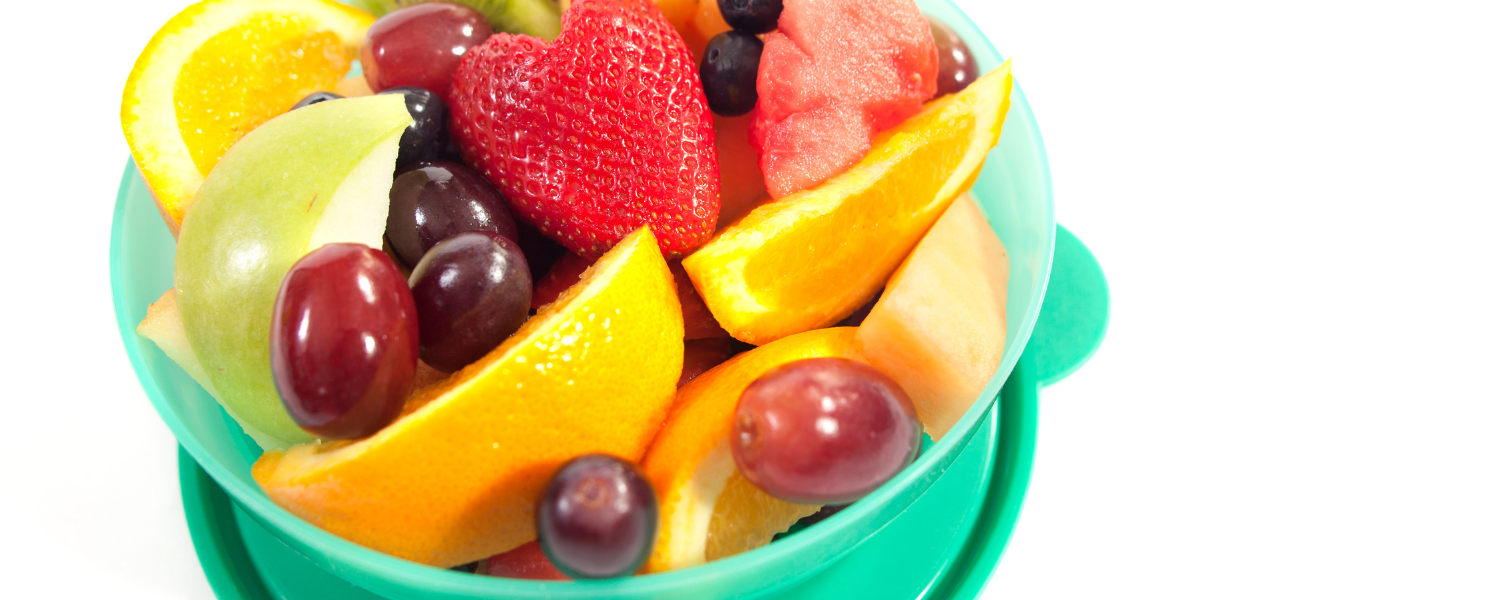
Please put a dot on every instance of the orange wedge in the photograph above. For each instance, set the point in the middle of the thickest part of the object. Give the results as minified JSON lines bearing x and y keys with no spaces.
{"x":812,"y":258}
{"x":708,"y":509}
{"x":455,"y":479}
{"x":219,"y":69}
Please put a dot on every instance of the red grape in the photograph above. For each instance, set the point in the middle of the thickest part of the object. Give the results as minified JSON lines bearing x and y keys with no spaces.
{"x":432,"y":201}
{"x":344,"y":341}
{"x":527,"y":561}
{"x":956,"y":66}
{"x":824,"y":431}
{"x":597,"y":518}
{"x":471,"y":292}
{"x":421,"y":45}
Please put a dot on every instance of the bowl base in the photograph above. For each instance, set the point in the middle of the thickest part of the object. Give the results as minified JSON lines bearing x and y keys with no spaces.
{"x":944,"y":546}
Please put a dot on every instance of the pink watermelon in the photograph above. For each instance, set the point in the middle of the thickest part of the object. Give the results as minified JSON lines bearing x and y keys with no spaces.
{"x":836,"y":73}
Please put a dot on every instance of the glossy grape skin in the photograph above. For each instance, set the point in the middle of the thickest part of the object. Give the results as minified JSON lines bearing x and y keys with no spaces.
{"x":541,"y":252}
{"x":432,"y":201}
{"x":344,"y":341}
{"x":471,"y":292}
{"x":956,"y":66}
{"x":421,"y":45}
{"x":824,"y":431}
{"x":315,"y":98}
{"x":730,"y":63}
{"x":597,"y":518}
{"x":426,"y":138}
{"x":751,"y":16}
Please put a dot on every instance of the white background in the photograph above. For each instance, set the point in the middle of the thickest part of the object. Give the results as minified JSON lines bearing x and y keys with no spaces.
{"x":1294,"y":203}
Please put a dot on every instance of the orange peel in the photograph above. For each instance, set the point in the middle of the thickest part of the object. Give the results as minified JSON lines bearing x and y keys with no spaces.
{"x":220,"y":68}
{"x":813,"y":257}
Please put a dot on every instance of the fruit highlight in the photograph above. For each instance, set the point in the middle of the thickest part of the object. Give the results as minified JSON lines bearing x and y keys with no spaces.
{"x":343,"y":341}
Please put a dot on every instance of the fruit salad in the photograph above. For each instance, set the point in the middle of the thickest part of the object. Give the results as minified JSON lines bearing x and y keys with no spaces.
{"x":573,"y":290}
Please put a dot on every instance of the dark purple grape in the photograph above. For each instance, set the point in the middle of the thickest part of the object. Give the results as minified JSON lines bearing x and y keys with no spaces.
{"x":315,"y":98}
{"x":824,"y":431}
{"x":427,"y":136}
{"x":432,"y":201}
{"x":597,"y":518}
{"x":956,"y":66}
{"x":421,"y":45}
{"x":471,"y":292}
{"x":344,"y":341}
{"x":751,"y":16}
{"x":541,"y":251}
{"x":730,"y":64}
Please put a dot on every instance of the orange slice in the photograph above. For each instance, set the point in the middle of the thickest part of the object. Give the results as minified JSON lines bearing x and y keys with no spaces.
{"x":811,"y":258}
{"x":219,"y":69}
{"x":455,"y":479}
{"x":708,"y":509}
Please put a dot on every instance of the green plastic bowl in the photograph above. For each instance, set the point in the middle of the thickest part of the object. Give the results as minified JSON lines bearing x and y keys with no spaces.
{"x":948,"y":543}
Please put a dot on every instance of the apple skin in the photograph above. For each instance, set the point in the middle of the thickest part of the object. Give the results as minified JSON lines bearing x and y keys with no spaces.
{"x":315,"y":175}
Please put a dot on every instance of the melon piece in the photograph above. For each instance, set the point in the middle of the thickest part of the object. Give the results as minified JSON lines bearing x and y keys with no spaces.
{"x":835,"y":74}
{"x":939,"y":329}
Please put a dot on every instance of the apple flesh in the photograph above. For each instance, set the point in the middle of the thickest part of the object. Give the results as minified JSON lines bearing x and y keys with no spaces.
{"x":313,"y":176}
{"x":163,"y":325}
{"x":939,"y":328}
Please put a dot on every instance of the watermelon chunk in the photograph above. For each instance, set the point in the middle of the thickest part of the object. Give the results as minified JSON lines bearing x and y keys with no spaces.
{"x":835,"y":74}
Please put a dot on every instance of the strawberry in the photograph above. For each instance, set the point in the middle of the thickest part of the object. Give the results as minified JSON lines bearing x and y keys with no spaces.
{"x":595,"y":134}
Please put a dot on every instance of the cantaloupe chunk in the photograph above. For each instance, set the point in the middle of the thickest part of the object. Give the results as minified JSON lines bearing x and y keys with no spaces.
{"x":939,"y":329}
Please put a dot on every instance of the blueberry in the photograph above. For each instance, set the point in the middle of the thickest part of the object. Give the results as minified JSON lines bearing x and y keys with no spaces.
{"x":730,"y":63}
{"x":751,"y":16}
{"x":315,"y":98}
{"x":427,"y":136}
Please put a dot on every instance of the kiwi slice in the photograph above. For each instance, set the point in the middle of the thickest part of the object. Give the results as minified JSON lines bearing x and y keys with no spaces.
{"x":540,"y":18}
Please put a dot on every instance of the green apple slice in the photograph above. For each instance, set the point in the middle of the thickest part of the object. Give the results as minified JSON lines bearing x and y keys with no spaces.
{"x":539,"y":18}
{"x":316,"y":175}
{"x":163,"y":325}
